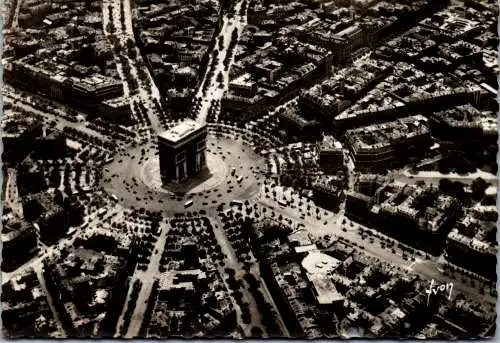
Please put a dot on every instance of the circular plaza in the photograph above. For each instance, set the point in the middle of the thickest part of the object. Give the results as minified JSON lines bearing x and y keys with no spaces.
{"x":232,"y":173}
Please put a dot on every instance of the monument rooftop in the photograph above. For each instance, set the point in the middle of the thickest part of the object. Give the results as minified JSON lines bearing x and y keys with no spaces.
{"x":181,"y":130}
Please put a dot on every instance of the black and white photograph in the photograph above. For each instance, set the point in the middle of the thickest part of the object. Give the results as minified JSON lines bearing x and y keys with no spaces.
{"x":237,"y":169}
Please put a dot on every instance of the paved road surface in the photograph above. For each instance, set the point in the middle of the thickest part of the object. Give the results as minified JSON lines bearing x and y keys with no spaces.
{"x":232,"y":262}
{"x":146,"y":92}
{"x":39,"y":273}
{"x":61,"y":123}
{"x":15,"y":22}
{"x":433,"y":177}
{"x":147,"y":278}
{"x":214,"y":92}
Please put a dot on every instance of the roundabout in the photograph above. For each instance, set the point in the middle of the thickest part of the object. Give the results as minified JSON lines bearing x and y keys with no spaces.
{"x":232,"y":173}
{"x":215,"y":174}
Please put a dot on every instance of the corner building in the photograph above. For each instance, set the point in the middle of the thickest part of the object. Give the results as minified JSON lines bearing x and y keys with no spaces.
{"x":182,"y":151}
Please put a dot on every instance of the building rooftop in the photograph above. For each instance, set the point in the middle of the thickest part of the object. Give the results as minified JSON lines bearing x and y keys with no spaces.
{"x":325,"y":290}
{"x":14,"y":229}
{"x":180,"y":279}
{"x":300,"y":238}
{"x":116,"y":102}
{"x":319,"y":263}
{"x":330,"y":144}
{"x":349,"y":31}
{"x":244,"y":80}
{"x":180,"y":131}
{"x":378,"y":136}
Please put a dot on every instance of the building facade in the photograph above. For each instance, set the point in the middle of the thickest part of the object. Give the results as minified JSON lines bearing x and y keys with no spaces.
{"x":182,"y":151}
{"x":331,"y":156}
{"x":85,"y":93}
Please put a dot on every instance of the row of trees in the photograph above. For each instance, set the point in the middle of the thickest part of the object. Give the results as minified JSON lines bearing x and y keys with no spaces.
{"x":79,"y":135}
{"x":243,"y":8}
{"x":200,"y":228}
{"x":213,"y":110}
{"x":482,"y":282}
{"x":141,"y":67}
{"x":111,"y":26}
{"x":230,"y":49}
{"x":142,"y":73}
{"x":211,"y":72}
{"x":232,"y":225}
{"x":106,"y":127}
{"x":239,"y":231}
{"x":162,"y":112}
{"x":134,"y":295}
{"x":266,"y":311}
{"x":114,"y":132}
{"x":235,"y":287}
{"x":132,"y":82}
{"x":122,"y":16}
{"x":141,"y":113}
{"x":457,"y":189}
